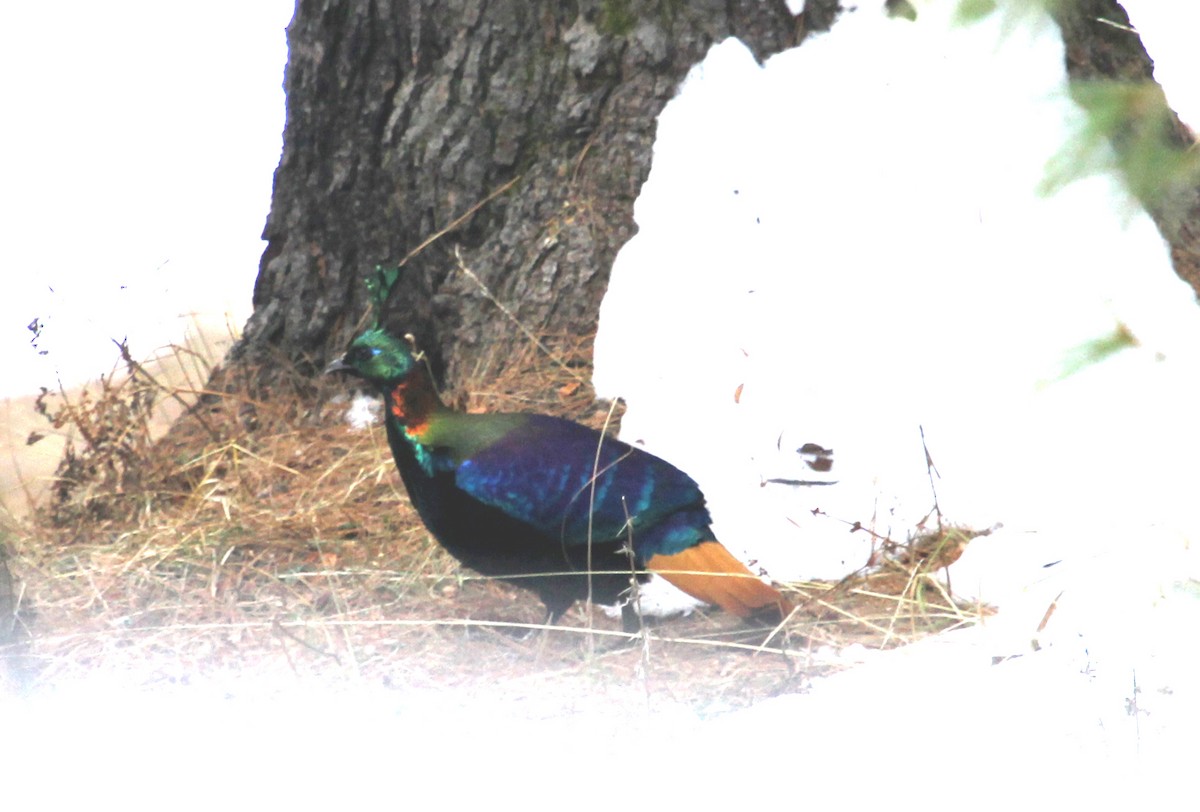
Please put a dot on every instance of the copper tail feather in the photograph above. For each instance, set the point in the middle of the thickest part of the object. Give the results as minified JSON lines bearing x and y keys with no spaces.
{"x":710,"y":573}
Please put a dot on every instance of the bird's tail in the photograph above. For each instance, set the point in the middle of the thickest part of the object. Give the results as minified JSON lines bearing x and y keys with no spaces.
{"x":710,"y":573}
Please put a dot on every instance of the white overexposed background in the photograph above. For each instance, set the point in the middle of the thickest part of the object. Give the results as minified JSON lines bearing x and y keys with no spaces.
{"x":870,"y":265}
{"x":138,"y":149}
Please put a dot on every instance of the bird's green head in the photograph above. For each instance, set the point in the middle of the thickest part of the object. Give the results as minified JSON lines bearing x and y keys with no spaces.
{"x":379,"y":357}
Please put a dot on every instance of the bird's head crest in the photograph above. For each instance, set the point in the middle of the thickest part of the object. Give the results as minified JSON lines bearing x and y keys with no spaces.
{"x":379,"y":285}
{"x":376,"y":355}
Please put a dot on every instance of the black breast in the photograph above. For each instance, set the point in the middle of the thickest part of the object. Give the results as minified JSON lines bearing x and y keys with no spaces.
{"x":493,"y":543}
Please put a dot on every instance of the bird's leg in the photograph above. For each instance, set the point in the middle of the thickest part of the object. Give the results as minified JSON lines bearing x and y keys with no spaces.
{"x":631,"y":618}
{"x":553,"y":613}
{"x":554,"y":610}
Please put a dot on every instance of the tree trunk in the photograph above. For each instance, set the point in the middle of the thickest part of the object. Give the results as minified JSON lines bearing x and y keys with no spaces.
{"x":516,"y":133}
{"x":1101,"y":45}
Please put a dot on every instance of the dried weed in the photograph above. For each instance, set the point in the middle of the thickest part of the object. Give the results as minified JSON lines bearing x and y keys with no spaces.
{"x":264,"y":538}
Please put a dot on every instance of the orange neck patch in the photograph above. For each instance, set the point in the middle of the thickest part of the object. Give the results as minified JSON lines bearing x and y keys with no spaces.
{"x":413,"y":402}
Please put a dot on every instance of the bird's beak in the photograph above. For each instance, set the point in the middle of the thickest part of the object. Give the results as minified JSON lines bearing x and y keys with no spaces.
{"x":337,"y":365}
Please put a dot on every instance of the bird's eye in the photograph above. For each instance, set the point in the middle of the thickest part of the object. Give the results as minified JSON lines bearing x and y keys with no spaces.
{"x":359,"y":355}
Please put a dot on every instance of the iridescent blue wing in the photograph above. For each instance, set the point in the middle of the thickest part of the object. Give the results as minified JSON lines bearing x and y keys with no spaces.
{"x":545,"y":472}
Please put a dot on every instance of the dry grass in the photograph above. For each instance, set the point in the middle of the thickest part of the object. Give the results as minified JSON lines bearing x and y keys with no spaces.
{"x":264,"y":539}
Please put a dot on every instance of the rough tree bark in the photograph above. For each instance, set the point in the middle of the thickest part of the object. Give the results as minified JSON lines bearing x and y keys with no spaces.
{"x":404,"y":115}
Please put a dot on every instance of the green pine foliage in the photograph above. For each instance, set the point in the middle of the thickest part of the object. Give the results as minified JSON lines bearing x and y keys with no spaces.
{"x":1128,"y":126}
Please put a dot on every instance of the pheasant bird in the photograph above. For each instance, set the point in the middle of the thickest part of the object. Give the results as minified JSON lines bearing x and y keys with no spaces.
{"x":547,"y":504}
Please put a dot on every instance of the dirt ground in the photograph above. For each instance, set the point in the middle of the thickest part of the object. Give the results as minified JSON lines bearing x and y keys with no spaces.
{"x":265,"y":542}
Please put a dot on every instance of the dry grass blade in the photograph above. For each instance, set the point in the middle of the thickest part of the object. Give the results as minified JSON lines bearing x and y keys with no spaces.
{"x":263,"y":536}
